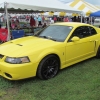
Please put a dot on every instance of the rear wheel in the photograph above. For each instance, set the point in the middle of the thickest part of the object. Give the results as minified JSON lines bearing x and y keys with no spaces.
{"x":48,"y":67}
{"x":98,"y":53}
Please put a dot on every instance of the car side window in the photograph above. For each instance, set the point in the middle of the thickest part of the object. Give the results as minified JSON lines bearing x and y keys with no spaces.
{"x":78,"y":32}
{"x":86,"y":32}
{"x":92,"y":31}
{"x":83,"y":32}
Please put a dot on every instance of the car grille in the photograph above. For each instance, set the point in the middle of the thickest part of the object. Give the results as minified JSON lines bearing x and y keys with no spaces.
{"x":1,"y":56}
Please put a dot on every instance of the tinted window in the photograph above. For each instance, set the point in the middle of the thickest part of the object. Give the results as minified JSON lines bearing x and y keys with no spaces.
{"x":57,"y":32}
{"x":92,"y":31}
{"x":79,"y":32}
{"x":84,"y":31}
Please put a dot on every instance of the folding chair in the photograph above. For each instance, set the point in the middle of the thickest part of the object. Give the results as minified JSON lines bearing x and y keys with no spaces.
{"x":17,"y":34}
{"x":3,"y":35}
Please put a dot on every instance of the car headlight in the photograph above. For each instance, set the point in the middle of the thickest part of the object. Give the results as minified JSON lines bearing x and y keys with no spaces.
{"x":18,"y":60}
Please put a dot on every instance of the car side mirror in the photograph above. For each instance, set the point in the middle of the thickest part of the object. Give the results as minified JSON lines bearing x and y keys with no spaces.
{"x":75,"y":38}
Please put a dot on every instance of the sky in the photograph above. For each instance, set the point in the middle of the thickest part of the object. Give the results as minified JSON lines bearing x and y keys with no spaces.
{"x":94,"y":2}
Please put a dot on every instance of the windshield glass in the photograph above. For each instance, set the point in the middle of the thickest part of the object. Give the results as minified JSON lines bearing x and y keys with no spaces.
{"x":56,"y":32}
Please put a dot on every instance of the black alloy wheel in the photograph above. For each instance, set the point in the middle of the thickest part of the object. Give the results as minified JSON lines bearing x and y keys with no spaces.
{"x":48,"y":67}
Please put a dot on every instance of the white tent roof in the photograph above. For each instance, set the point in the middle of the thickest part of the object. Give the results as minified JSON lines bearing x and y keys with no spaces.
{"x":98,"y":6}
{"x":82,"y":5}
{"x":45,"y":5}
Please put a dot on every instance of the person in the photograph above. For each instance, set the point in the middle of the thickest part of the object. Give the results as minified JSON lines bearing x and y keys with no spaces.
{"x":88,"y":20}
{"x":70,"y":19}
{"x":66,"y":19}
{"x":74,"y":19}
{"x":17,"y":23}
{"x":32,"y":24}
{"x":79,"y":19}
{"x":36,"y":21}
{"x":51,"y":21}
{"x":93,"y":20}
{"x":43,"y":18}
{"x":39,"y":21}
{"x":55,"y":19}
{"x":44,"y":25}
{"x":12,"y":24}
{"x":0,"y":22}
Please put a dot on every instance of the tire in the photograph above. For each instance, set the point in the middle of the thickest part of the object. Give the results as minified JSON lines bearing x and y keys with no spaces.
{"x":48,"y":67}
{"x":98,"y":53}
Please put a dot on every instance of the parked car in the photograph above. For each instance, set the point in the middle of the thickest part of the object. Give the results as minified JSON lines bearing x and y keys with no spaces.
{"x":51,"y":49}
{"x":97,"y":21}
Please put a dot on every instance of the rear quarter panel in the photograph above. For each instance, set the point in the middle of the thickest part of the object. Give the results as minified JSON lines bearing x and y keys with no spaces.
{"x":98,"y":38}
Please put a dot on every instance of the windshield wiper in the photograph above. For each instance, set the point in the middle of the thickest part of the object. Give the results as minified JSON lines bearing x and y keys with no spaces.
{"x":43,"y":37}
{"x":52,"y":39}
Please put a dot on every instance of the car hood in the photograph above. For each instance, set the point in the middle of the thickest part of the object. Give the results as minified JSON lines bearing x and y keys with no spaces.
{"x":26,"y":45}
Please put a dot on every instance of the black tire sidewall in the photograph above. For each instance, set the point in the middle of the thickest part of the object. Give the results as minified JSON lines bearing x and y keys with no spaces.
{"x":98,"y":53}
{"x":39,"y":70}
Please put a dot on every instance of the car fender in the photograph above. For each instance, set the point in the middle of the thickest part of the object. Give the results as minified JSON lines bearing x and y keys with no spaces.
{"x":46,"y":52}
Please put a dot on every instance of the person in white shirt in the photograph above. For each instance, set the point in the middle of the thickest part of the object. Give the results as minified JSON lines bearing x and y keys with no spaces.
{"x":51,"y":21}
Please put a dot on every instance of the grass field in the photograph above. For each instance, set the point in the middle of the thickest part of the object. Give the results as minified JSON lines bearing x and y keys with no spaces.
{"x":78,"y":82}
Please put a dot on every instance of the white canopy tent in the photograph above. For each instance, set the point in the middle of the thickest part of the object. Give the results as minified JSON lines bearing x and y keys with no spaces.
{"x":45,"y":5}
{"x":41,"y":5}
{"x":84,"y":6}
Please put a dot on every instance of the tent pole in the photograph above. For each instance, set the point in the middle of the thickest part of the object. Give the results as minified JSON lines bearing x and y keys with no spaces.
{"x":81,"y":14}
{"x":81,"y":18}
{"x":91,"y":20}
{"x":7,"y":21}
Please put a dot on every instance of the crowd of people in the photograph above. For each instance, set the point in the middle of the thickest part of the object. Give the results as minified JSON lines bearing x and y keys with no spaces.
{"x":41,"y":21}
{"x":32,"y":22}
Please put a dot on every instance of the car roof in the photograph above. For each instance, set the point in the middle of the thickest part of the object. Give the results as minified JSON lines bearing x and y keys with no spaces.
{"x":74,"y":24}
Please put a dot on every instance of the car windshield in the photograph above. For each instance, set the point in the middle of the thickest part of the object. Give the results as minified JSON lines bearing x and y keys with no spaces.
{"x":55,"y":32}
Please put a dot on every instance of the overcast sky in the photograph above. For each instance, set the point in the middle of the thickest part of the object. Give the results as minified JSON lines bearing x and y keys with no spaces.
{"x":95,"y":2}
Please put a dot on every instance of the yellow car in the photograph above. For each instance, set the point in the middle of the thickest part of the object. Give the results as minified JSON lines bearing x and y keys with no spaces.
{"x":55,"y":47}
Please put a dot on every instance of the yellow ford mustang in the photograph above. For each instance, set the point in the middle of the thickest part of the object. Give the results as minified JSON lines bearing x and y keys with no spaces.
{"x":55,"y":47}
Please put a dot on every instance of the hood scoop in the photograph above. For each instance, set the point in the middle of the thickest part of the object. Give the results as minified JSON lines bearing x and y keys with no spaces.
{"x":19,"y":44}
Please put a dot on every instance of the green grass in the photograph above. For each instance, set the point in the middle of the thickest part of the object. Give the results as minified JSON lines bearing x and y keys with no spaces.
{"x":78,"y":82}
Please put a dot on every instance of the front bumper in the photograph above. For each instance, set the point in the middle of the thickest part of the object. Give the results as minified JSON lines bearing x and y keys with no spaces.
{"x":18,"y":71}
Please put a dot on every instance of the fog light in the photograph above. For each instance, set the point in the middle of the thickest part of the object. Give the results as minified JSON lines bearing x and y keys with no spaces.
{"x":8,"y":75}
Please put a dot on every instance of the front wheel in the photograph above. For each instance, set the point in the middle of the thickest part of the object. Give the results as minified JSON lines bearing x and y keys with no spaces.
{"x":48,"y":67}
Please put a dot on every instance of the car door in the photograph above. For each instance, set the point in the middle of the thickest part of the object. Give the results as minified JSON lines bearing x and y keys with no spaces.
{"x":81,"y":49}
